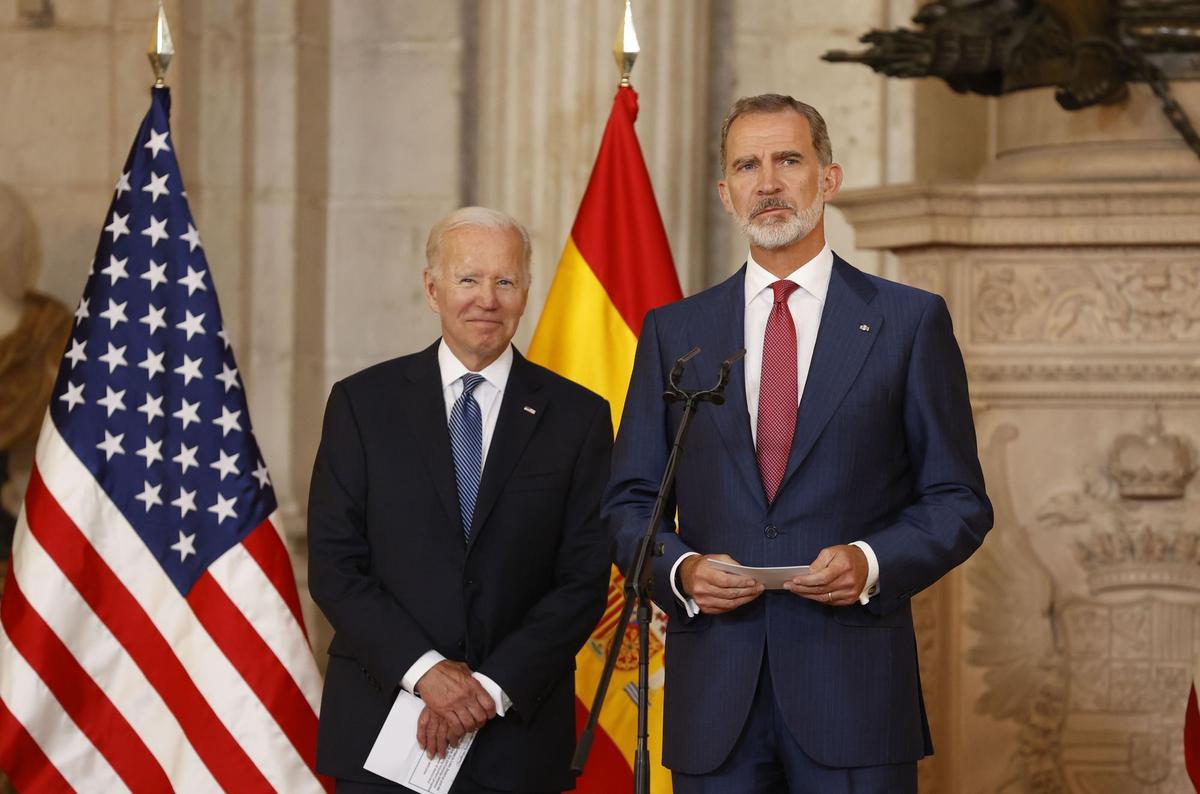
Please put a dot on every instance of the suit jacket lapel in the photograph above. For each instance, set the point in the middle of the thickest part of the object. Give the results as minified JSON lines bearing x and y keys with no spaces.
{"x":842,"y":347}
{"x":514,"y":428}
{"x":726,"y":336}
{"x":426,"y":415}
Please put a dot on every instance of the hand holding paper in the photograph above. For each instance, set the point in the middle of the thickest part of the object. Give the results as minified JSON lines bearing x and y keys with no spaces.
{"x":837,"y":577}
{"x":716,"y":590}
{"x":456,"y":704}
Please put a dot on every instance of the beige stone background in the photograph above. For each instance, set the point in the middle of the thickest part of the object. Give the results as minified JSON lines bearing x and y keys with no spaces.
{"x":320,"y":139}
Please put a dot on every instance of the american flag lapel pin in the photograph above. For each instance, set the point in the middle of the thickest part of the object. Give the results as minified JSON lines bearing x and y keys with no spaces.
{"x":864,"y":327}
{"x":530,"y":410}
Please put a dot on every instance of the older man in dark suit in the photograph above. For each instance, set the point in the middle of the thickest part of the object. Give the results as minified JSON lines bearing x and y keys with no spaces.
{"x":454,"y":538}
{"x":846,"y":442}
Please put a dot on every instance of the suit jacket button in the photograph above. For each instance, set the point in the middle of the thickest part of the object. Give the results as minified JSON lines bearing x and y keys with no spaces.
{"x":462,"y":645}
{"x":771,"y":532}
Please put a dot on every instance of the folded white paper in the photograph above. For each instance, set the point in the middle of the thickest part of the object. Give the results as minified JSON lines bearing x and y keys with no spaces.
{"x":397,"y":756}
{"x":771,"y":578}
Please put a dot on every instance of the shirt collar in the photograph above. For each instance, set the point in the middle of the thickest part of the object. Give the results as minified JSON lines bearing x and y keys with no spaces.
{"x":495,"y":373}
{"x":812,"y":276}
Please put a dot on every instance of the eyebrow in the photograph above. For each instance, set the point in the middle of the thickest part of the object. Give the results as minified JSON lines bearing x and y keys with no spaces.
{"x":782,"y":155}
{"x":787,"y":154}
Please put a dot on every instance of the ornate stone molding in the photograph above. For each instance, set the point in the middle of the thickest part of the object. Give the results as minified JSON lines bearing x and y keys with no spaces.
{"x":1103,"y":372}
{"x":999,"y":381}
{"x":1066,"y":213}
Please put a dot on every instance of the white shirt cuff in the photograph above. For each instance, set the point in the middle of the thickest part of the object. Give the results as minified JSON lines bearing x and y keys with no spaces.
{"x":872,"y":587}
{"x":501,"y":698}
{"x":689,"y":605}
{"x":419,"y":668}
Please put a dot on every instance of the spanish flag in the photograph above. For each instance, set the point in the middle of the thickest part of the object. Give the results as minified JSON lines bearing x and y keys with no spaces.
{"x":616,"y":266}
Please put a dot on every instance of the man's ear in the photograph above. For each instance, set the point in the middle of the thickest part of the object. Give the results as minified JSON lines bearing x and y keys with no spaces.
{"x":723,"y":192}
{"x":831,"y":182}
{"x":431,"y":291}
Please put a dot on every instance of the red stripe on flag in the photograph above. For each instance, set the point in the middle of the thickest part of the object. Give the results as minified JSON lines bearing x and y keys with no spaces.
{"x":84,"y":702}
{"x":1191,"y":738}
{"x":27,"y":766}
{"x":606,"y":625}
{"x":258,"y":666}
{"x":133,"y":628}
{"x":618,"y":229}
{"x":607,"y":770}
{"x":267,"y":549}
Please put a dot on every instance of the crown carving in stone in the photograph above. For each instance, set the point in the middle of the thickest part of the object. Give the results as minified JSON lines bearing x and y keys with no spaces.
{"x":1139,"y":554}
{"x":1153,"y":464}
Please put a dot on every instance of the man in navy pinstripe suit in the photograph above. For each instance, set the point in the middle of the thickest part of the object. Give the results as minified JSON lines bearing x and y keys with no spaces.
{"x":846,"y":442}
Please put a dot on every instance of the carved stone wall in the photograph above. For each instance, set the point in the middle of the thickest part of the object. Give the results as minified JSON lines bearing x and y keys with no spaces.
{"x":1062,"y":652}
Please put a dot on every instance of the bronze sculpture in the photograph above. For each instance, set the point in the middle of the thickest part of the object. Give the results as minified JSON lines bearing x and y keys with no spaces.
{"x":1088,"y":50}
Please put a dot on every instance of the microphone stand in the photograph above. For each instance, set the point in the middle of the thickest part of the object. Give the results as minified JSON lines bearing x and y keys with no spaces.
{"x":639,"y":578}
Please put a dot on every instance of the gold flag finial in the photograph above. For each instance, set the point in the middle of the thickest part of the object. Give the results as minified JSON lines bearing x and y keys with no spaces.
{"x":626,"y":49}
{"x":161,"y":47}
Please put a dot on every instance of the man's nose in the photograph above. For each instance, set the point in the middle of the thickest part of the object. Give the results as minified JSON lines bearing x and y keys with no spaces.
{"x":488,"y":296}
{"x":768,"y":182}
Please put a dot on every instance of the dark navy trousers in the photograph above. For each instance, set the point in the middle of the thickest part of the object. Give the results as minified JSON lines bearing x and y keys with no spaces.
{"x":767,"y":760}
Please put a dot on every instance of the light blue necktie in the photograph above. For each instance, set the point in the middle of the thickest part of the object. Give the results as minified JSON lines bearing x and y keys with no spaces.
{"x":466,"y":444}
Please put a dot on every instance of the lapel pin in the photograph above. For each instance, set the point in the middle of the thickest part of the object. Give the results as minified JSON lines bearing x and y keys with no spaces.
{"x":864,"y":327}
{"x":529,"y":410}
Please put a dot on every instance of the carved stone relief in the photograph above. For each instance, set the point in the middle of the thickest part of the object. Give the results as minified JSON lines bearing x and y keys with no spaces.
{"x":1097,"y":302}
{"x":1088,"y":619}
{"x":927,"y":273}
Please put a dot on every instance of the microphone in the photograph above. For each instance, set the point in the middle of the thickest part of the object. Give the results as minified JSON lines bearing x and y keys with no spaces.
{"x":673,"y":392}
{"x":677,"y":370}
{"x":716,"y":395}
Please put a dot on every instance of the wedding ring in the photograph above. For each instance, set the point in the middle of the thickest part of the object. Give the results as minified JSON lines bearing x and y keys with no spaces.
{"x":829,"y":597}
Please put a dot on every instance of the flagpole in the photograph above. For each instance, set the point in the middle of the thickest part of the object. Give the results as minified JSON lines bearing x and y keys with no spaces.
{"x":637,"y":590}
{"x":638,"y":583}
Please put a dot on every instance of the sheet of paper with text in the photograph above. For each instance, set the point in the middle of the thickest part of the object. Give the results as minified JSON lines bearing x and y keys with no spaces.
{"x":397,"y":756}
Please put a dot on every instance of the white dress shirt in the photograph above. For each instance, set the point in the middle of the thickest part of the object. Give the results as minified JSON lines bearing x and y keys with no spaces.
{"x":805,"y":305}
{"x":489,"y":394}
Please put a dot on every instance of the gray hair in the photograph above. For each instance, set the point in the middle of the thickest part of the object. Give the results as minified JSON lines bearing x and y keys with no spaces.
{"x":777,"y":103}
{"x":475,"y":218}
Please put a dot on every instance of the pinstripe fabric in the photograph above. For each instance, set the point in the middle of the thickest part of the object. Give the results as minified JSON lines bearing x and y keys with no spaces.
{"x":466,"y":444}
{"x":777,"y":398}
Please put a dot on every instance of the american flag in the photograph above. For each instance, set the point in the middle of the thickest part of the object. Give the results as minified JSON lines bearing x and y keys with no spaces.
{"x":151,"y":637}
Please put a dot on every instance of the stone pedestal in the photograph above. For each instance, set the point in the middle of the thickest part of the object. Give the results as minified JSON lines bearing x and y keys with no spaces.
{"x":1059,"y":657}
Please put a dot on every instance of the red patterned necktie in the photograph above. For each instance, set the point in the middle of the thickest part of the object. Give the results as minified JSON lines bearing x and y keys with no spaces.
{"x":777,"y":398}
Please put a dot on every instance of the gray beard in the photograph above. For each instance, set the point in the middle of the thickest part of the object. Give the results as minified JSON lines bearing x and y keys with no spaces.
{"x":781,"y":234}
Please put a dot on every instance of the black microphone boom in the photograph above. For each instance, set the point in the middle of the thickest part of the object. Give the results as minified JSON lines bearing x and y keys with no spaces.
{"x":639,"y":577}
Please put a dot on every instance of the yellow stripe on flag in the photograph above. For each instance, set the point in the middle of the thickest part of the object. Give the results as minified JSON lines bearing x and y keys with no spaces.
{"x":590,"y":342}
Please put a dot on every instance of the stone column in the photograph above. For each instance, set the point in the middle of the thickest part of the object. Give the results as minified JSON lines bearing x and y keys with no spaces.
{"x":377,"y":162}
{"x":319,"y":146}
{"x":546,"y":81}
{"x":1059,"y":657}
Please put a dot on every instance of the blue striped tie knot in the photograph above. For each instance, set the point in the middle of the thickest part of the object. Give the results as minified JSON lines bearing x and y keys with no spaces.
{"x":466,"y":444}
